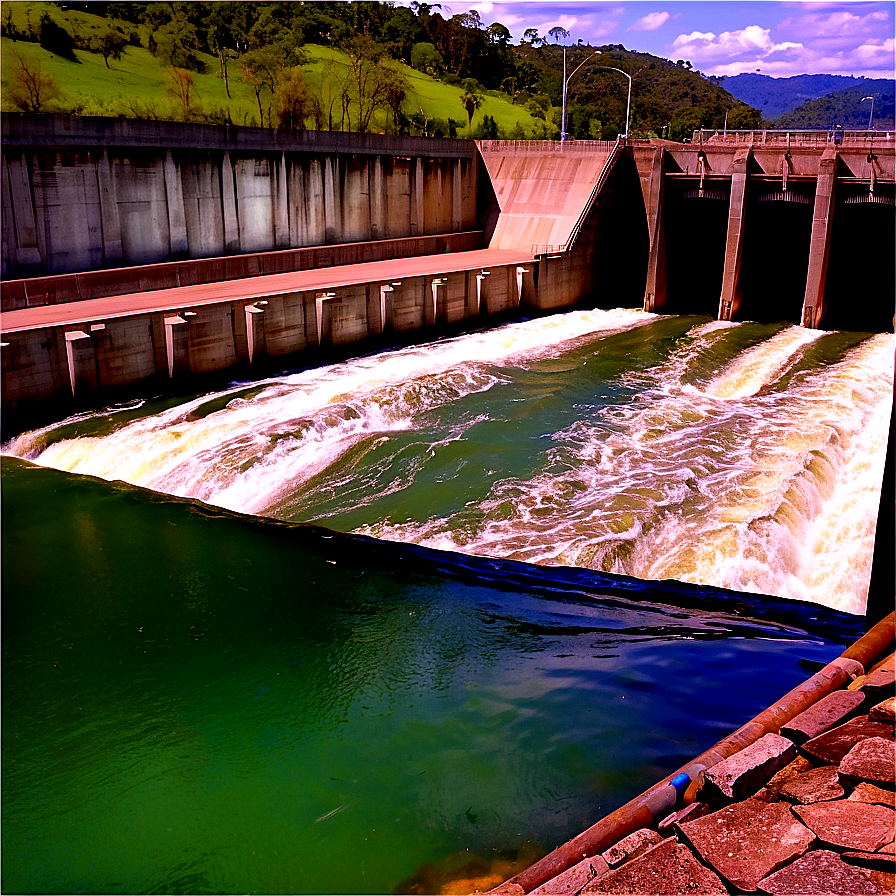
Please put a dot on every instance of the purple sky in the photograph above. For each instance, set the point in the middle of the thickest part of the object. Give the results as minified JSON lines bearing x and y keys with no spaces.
{"x":719,"y":37}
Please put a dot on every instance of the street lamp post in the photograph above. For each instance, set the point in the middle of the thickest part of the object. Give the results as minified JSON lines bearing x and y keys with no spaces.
{"x":566,"y":80}
{"x":565,"y":84}
{"x":628,"y":105}
{"x":871,"y":116}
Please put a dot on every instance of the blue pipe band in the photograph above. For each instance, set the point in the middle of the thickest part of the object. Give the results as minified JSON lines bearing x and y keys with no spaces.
{"x":681,"y":782}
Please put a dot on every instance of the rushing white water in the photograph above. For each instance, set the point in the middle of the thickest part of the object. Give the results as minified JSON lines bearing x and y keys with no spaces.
{"x":756,"y":468}
{"x":250,"y":455}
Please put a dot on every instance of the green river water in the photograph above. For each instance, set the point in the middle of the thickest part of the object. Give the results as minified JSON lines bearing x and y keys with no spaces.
{"x":202,"y":693}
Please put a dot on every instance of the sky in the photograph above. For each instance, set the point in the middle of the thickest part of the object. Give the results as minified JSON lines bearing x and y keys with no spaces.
{"x":719,"y":37}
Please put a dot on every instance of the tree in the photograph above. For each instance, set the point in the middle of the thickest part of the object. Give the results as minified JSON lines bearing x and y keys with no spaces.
{"x":557,"y":33}
{"x":488,"y":130}
{"x":176,"y":44}
{"x":110,"y":44}
{"x":265,"y":68}
{"x":426,"y":58}
{"x":371,"y":82}
{"x":471,"y":99}
{"x":181,"y":90}
{"x":498,"y":34}
{"x":744,"y":118}
{"x":220,"y":39}
{"x":293,"y":102}
{"x":55,"y":38}
{"x":531,"y":36}
{"x":32,"y":89}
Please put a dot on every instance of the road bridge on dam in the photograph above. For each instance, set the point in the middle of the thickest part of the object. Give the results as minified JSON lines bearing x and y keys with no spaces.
{"x":145,"y":254}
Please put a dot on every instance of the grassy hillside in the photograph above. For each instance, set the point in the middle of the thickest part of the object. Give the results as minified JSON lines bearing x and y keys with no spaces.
{"x":138,"y":84}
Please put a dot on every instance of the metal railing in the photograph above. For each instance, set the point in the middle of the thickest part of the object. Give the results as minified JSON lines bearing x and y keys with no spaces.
{"x":601,"y":180}
{"x":792,"y":137}
{"x":545,"y":145}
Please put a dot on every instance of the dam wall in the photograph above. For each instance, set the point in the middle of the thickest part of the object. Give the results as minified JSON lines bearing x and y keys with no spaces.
{"x":771,"y":226}
{"x":82,"y":194}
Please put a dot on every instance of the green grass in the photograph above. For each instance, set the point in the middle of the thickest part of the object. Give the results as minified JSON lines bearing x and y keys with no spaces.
{"x":137,"y":84}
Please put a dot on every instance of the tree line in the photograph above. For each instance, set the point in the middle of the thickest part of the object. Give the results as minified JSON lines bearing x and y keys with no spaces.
{"x":265,"y":44}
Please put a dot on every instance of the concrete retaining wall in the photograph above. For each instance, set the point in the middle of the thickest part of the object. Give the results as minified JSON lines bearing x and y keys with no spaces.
{"x":81,"y":194}
{"x":53,"y":370}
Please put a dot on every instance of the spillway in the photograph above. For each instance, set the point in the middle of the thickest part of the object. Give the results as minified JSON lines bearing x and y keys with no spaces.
{"x":746,"y":456}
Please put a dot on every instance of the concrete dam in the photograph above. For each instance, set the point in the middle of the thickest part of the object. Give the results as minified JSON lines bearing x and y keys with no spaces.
{"x":138,"y":253}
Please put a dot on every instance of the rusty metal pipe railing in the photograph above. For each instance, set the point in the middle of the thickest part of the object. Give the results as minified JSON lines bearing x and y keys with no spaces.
{"x":652,"y":805}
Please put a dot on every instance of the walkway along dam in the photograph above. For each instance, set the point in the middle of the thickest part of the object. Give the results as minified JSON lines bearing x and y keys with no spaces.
{"x":142,"y":255}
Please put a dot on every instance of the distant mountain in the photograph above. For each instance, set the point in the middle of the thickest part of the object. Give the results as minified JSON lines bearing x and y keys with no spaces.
{"x":845,"y":107}
{"x":775,"y":96}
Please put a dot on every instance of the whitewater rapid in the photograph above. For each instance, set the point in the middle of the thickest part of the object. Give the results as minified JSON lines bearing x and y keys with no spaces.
{"x":759,"y":473}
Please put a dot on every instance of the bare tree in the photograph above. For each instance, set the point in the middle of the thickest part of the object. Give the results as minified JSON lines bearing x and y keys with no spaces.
{"x":181,"y":90}
{"x":31,"y":88}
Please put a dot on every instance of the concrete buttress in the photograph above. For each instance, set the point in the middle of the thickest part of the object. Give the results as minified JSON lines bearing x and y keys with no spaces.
{"x":112,"y":251}
{"x":729,"y":301}
{"x":27,"y":253}
{"x":228,"y":201}
{"x":655,"y":289}
{"x":177,"y":219}
{"x":820,"y":241}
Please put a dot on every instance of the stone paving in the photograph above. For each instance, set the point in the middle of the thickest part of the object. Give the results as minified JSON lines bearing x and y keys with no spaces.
{"x":807,"y":811}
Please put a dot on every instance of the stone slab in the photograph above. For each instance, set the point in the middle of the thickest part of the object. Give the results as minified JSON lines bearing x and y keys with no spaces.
{"x":884,"y":861}
{"x":574,"y":879}
{"x":885,"y":711}
{"x":630,"y":847}
{"x":884,"y":881}
{"x":507,"y":889}
{"x":871,"y":793}
{"x":667,"y":868}
{"x":745,"y":772}
{"x":882,"y":679}
{"x":833,"y":745}
{"x":688,"y":813}
{"x":747,"y":841}
{"x":825,"y":714}
{"x":815,"y":786}
{"x":850,"y":825}
{"x":888,"y":848}
{"x":818,"y":872}
{"x":870,"y":760}
{"x":770,"y":793}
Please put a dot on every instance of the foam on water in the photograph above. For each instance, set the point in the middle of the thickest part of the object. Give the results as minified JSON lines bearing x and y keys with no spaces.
{"x":719,"y":478}
{"x":247,"y":455}
{"x":774,"y":493}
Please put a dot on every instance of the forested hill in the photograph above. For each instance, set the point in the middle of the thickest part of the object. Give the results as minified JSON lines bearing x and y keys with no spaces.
{"x":775,"y":96}
{"x":361,"y":66}
{"x":847,"y":108}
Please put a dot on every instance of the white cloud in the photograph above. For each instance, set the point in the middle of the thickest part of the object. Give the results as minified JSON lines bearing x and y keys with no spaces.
{"x":707,"y":47}
{"x":650,"y":22}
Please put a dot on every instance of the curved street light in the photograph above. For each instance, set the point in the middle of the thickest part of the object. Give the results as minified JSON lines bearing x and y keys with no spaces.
{"x":871,"y":116}
{"x":628,"y":105}
{"x":566,"y":81}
